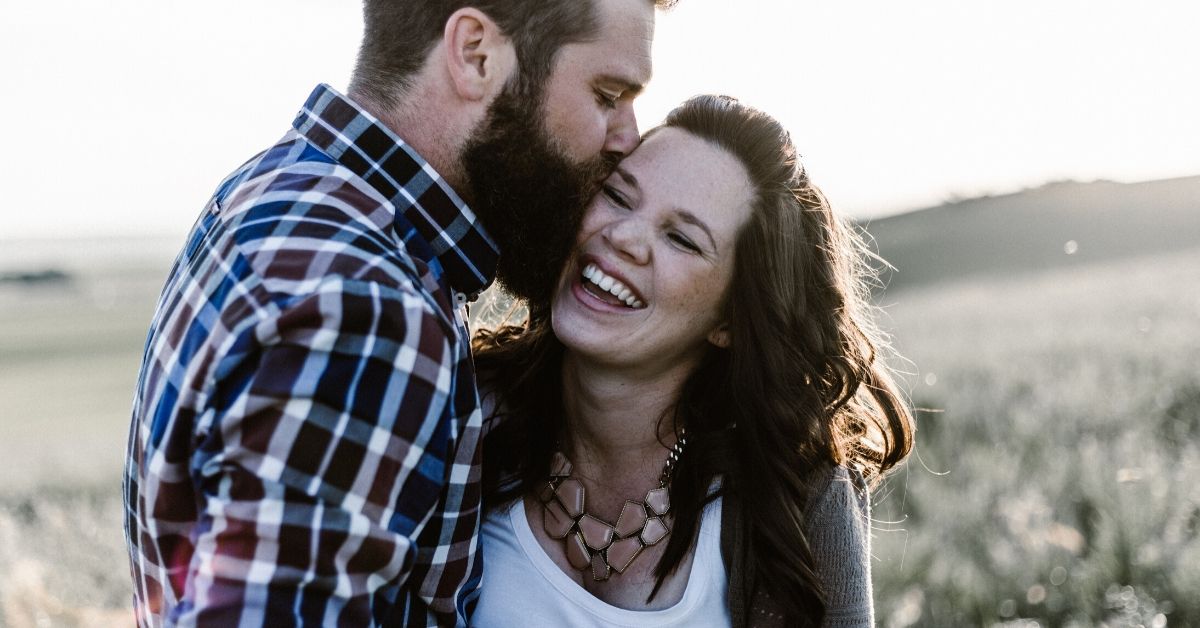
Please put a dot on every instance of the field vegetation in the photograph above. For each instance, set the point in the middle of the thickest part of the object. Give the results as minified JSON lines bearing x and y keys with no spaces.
{"x":1057,"y":451}
{"x":69,"y":354}
{"x":1053,"y":482}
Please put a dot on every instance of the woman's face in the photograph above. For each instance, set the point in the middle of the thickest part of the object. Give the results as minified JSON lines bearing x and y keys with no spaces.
{"x":655,"y":256}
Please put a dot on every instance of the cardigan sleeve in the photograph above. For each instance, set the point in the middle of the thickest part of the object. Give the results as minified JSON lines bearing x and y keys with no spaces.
{"x":839,"y":536}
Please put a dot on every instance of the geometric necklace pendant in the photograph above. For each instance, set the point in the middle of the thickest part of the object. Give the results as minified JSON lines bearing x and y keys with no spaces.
{"x":593,"y":543}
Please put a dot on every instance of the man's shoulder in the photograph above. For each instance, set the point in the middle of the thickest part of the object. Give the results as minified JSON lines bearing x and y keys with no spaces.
{"x":298,"y":217}
{"x":291,"y":154}
{"x":296,"y":183}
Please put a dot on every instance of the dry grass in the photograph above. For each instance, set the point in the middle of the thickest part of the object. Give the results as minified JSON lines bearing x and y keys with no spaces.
{"x":62,"y":561}
{"x":1054,"y":476}
{"x":1055,"y":483}
{"x":69,"y":355}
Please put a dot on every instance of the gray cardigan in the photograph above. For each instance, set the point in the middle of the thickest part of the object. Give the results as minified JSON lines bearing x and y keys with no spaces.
{"x":837,"y":525}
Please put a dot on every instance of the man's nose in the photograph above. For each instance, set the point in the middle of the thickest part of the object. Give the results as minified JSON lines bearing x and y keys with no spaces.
{"x":623,"y":134}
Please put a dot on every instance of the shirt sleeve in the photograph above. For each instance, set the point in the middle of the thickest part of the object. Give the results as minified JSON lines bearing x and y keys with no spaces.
{"x":326,"y":455}
{"x":839,"y":535}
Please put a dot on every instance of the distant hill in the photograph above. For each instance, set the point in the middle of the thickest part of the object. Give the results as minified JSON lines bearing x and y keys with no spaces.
{"x":35,"y":277}
{"x":1058,"y":224}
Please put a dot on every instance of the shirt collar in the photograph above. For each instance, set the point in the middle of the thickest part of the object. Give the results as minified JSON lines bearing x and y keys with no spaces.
{"x":464,"y":251}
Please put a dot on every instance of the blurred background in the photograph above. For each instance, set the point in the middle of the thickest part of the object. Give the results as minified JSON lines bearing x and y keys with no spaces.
{"x":1031,"y":169}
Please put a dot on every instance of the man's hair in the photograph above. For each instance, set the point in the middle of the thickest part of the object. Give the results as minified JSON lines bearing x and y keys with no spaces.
{"x":398,"y":35}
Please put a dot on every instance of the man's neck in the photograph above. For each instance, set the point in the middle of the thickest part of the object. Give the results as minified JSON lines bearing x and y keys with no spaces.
{"x":433,"y":133}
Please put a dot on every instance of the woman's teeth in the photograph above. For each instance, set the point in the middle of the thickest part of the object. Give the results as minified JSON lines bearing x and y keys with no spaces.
{"x":610,"y":285}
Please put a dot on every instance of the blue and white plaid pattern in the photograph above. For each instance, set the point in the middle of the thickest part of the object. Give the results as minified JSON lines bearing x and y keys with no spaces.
{"x":305,"y":438}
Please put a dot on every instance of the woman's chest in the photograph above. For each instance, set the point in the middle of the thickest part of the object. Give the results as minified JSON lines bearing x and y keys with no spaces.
{"x":624,"y":563}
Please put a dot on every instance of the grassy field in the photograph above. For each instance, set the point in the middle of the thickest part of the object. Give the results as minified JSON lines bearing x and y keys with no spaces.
{"x":1053,"y":480}
{"x":1054,"y":476}
{"x":69,"y":354}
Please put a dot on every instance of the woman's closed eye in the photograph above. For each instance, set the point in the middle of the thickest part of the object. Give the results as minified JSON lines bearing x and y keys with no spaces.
{"x":683,"y":242}
{"x":614,"y":196}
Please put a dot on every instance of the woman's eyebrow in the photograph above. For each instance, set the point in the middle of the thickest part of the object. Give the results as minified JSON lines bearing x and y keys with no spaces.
{"x":628,"y":177}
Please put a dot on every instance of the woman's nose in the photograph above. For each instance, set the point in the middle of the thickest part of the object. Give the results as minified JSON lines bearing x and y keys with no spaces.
{"x":629,"y":237}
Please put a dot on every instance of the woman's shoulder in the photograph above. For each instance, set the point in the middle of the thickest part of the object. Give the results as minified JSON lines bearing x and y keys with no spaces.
{"x":839,"y":494}
{"x":838,"y":529}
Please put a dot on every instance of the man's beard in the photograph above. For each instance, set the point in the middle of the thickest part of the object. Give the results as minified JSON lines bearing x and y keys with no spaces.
{"x":529,"y":196}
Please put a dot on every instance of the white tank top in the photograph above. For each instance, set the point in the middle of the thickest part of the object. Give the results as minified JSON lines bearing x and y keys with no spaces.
{"x":523,"y":587}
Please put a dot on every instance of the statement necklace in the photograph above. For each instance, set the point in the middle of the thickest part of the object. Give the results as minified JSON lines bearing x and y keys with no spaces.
{"x":591,"y":542}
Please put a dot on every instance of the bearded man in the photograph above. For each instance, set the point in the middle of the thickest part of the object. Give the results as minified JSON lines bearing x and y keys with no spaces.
{"x":305,"y":438}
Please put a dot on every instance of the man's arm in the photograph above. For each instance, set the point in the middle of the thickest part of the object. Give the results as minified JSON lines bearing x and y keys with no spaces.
{"x":325,"y":459}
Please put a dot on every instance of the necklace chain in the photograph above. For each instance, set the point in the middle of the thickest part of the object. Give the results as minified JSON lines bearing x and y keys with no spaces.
{"x":593,"y":543}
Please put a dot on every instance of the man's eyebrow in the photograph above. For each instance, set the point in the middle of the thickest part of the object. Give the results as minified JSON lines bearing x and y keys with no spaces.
{"x":691,"y":219}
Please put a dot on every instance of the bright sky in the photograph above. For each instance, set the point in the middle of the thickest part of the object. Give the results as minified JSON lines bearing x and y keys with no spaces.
{"x":122,"y":116}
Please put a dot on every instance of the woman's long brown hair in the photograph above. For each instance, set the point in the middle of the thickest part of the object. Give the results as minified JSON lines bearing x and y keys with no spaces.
{"x":801,"y":387}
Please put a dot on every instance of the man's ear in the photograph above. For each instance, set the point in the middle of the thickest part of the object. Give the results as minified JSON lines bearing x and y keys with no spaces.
{"x":720,"y":336}
{"x":479,"y":58}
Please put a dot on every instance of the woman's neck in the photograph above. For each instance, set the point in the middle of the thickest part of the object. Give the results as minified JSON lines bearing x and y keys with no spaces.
{"x":617,"y":423}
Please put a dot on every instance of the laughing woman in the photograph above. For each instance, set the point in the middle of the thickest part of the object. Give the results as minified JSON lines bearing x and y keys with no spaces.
{"x":685,"y":436}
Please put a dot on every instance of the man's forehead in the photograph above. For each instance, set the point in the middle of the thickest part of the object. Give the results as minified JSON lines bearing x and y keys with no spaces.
{"x":624,"y":38}
{"x":628,"y":17}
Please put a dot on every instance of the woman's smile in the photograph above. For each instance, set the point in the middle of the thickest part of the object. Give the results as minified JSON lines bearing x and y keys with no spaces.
{"x":609,"y":289}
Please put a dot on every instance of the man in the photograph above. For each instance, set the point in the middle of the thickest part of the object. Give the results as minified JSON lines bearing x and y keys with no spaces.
{"x":305,"y":438}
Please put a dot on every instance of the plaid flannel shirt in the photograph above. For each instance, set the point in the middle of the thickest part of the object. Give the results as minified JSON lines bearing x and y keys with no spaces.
{"x":304,"y":446}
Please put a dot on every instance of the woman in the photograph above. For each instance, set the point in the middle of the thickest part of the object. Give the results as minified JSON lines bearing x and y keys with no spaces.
{"x":684,"y":434}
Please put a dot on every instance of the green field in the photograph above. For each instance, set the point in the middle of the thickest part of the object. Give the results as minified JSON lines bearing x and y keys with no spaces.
{"x":1054,"y":475}
{"x":69,"y":354}
{"x":1053,"y":478}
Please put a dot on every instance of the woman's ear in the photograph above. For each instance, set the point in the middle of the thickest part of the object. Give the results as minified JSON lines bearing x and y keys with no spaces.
{"x":479,"y":58}
{"x":720,"y":336}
